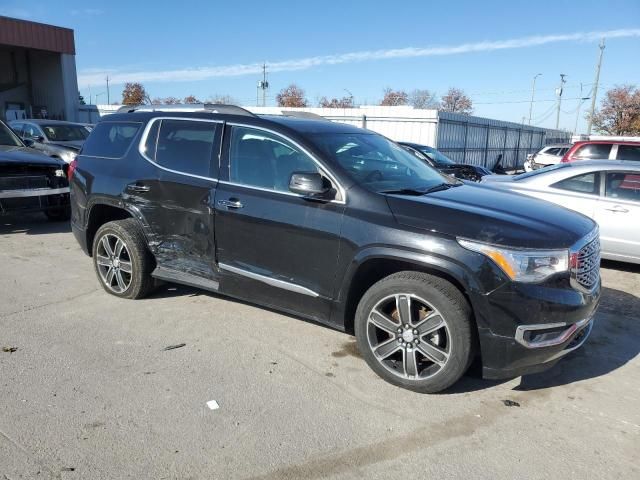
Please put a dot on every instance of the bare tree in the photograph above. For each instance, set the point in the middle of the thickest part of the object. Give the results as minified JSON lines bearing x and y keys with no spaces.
{"x":292,"y":96}
{"x":166,"y":101}
{"x":619,"y":112}
{"x":394,"y":98}
{"x":134,"y":94}
{"x":191,"y":99}
{"x":456,"y":101}
{"x":344,"y":102}
{"x":422,"y":98}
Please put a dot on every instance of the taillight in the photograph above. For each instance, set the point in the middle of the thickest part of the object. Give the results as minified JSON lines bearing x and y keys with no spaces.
{"x":71,"y":169}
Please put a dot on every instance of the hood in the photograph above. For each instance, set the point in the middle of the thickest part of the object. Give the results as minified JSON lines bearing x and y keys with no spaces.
{"x":480,"y":213}
{"x":74,"y":145}
{"x":23,"y":155}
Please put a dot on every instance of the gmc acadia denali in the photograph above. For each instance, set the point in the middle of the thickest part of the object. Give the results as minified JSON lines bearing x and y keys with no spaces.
{"x":341,"y":226}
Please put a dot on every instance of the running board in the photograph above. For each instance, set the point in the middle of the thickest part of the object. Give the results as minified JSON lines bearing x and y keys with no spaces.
{"x":189,"y":279}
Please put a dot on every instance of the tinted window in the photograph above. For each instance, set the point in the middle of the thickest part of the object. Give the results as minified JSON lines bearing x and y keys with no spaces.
{"x":110,"y":139}
{"x":586,"y":183}
{"x":7,"y":137}
{"x":264,"y":160}
{"x":628,"y":152}
{"x":551,"y":151}
{"x":30,"y":131}
{"x":65,"y":133}
{"x":623,"y":185}
{"x":185,"y":146}
{"x":17,"y":127}
{"x":594,"y":150}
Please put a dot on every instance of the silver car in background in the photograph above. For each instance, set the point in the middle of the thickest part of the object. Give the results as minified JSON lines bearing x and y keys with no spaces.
{"x":55,"y":138}
{"x":608,"y":191}
{"x":549,"y":155}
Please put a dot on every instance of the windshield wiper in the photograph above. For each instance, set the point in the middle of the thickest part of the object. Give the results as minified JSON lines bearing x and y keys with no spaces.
{"x":422,"y":191}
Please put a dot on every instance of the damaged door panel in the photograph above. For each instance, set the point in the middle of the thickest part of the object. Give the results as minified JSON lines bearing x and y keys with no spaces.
{"x":176,"y":206}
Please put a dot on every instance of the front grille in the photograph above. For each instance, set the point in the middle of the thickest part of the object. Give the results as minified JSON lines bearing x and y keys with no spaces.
{"x":586,"y":270}
{"x":25,"y":182}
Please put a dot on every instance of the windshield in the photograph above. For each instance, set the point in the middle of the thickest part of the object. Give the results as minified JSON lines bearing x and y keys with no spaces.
{"x":65,"y":133}
{"x":438,"y":158}
{"x":7,"y":137}
{"x":378,"y":164}
{"x":533,"y":173}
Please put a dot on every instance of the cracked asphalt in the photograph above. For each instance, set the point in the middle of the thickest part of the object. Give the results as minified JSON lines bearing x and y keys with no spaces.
{"x":91,"y":392}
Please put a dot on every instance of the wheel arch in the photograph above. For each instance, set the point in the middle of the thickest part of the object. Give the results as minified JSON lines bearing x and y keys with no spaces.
{"x":103,"y":211}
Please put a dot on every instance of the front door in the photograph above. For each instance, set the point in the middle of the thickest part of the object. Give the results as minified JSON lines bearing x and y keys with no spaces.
{"x":275,"y":247}
{"x":618,"y":214}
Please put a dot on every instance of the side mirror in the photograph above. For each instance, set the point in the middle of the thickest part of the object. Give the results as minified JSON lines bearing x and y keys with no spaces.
{"x":38,"y":138}
{"x":310,"y":184}
{"x":28,"y":142}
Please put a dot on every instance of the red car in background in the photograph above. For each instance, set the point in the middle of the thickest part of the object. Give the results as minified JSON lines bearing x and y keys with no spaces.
{"x":603,"y":150}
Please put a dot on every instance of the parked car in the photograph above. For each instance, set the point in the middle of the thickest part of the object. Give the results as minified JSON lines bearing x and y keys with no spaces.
{"x":339,"y":225}
{"x":31,"y":181}
{"x":443,"y":163}
{"x":53,"y":137}
{"x":607,"y":191}
{"x":603,"y":149}
{"x":549,"y":155}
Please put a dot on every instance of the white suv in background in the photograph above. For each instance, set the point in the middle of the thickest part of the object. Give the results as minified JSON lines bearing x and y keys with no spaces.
{"x":549,"y":155}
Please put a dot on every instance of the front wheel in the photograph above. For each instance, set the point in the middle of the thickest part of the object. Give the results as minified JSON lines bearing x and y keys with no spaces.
{"x":415,"y":331}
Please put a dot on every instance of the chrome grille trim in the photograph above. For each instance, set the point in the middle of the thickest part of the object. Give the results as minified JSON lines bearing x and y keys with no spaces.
{"x":585,"y":262}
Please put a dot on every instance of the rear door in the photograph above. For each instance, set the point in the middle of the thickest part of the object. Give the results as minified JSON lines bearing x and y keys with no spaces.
{"x":618,"y":214}
{"x":175,"y":196}
{"x":579,"y":193}
{"x":277,"y":247}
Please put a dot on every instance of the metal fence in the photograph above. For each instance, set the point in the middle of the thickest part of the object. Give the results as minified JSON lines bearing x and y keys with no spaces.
{"x":483,"y":141}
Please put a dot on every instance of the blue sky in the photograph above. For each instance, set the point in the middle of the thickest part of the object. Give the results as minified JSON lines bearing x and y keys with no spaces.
{"x":489,"y":49}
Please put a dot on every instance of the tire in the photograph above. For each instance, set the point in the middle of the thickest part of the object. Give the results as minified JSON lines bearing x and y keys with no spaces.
{"x":131,"y":265}
{"x":437,"y":348}
{"x":61,"y":214}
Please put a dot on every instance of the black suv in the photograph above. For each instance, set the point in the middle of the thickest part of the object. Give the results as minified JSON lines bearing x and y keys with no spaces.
{"x":341,"y":226}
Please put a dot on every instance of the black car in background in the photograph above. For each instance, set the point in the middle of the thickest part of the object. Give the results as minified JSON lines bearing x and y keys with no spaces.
{"x":339,"y":225}
{"x":31,"y":181}
{"x":443,"y":163}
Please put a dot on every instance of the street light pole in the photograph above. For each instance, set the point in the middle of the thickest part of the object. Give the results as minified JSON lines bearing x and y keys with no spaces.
{"x":580,"y":100}
{"x":595,"y":88}
{"x":533,"y":92}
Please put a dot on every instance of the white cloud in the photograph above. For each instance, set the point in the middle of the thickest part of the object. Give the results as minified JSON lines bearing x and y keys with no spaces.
{"x":95,"y":76}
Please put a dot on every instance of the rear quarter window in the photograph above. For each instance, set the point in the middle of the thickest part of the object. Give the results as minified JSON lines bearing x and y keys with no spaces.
{"x":110,"y":139}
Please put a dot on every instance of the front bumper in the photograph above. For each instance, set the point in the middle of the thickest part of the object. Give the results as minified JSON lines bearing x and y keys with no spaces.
{"x":33,"y":199}
{"x":526,"y":328}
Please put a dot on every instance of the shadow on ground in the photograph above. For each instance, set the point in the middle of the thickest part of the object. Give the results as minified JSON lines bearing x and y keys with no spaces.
{"x":31,"y":224}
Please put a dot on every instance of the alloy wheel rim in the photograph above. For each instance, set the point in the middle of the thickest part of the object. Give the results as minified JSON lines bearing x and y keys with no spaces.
{"x":114,"y":263}
{"x":408,"y":336}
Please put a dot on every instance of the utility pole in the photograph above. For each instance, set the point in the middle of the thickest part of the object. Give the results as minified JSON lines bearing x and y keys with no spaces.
{"x":533,"y":92}
{"x":559,"y":93}
{"x":595,"y":88}
{"x":108,"y":96}
{"x":580,"y":100}
{"x":263,"y":85}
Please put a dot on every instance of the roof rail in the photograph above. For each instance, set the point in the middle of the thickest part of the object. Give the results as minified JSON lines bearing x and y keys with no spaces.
{"x":188,"y":107}
{"x":299,"y":114}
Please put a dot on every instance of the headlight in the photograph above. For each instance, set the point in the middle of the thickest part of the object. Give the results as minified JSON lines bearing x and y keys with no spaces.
{"x":523,"y":265}
{"x":68,"y":156}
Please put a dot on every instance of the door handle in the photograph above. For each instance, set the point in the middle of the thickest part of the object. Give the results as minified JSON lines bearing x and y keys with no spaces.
{"x":617,"y":209}
{"x":138,"y":188}
{"x":231,"y":203}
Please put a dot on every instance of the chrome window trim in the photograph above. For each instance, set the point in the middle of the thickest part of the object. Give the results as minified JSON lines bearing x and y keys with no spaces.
{"x":292,"y":287}
{"x":145,"y":134}
{"x":341,"y":190}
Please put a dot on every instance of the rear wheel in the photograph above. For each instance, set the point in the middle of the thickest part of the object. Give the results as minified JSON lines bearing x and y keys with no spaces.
{"x":415,"y":331}
{"x":121,"y":259}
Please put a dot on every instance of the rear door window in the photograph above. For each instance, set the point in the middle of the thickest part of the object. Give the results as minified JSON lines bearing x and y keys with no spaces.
{"x":594,"y":151}
{"x":110,"y":139}
{"x":184,"y":146}
{"x":587,"y":183}
{"x":628,"y":152}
